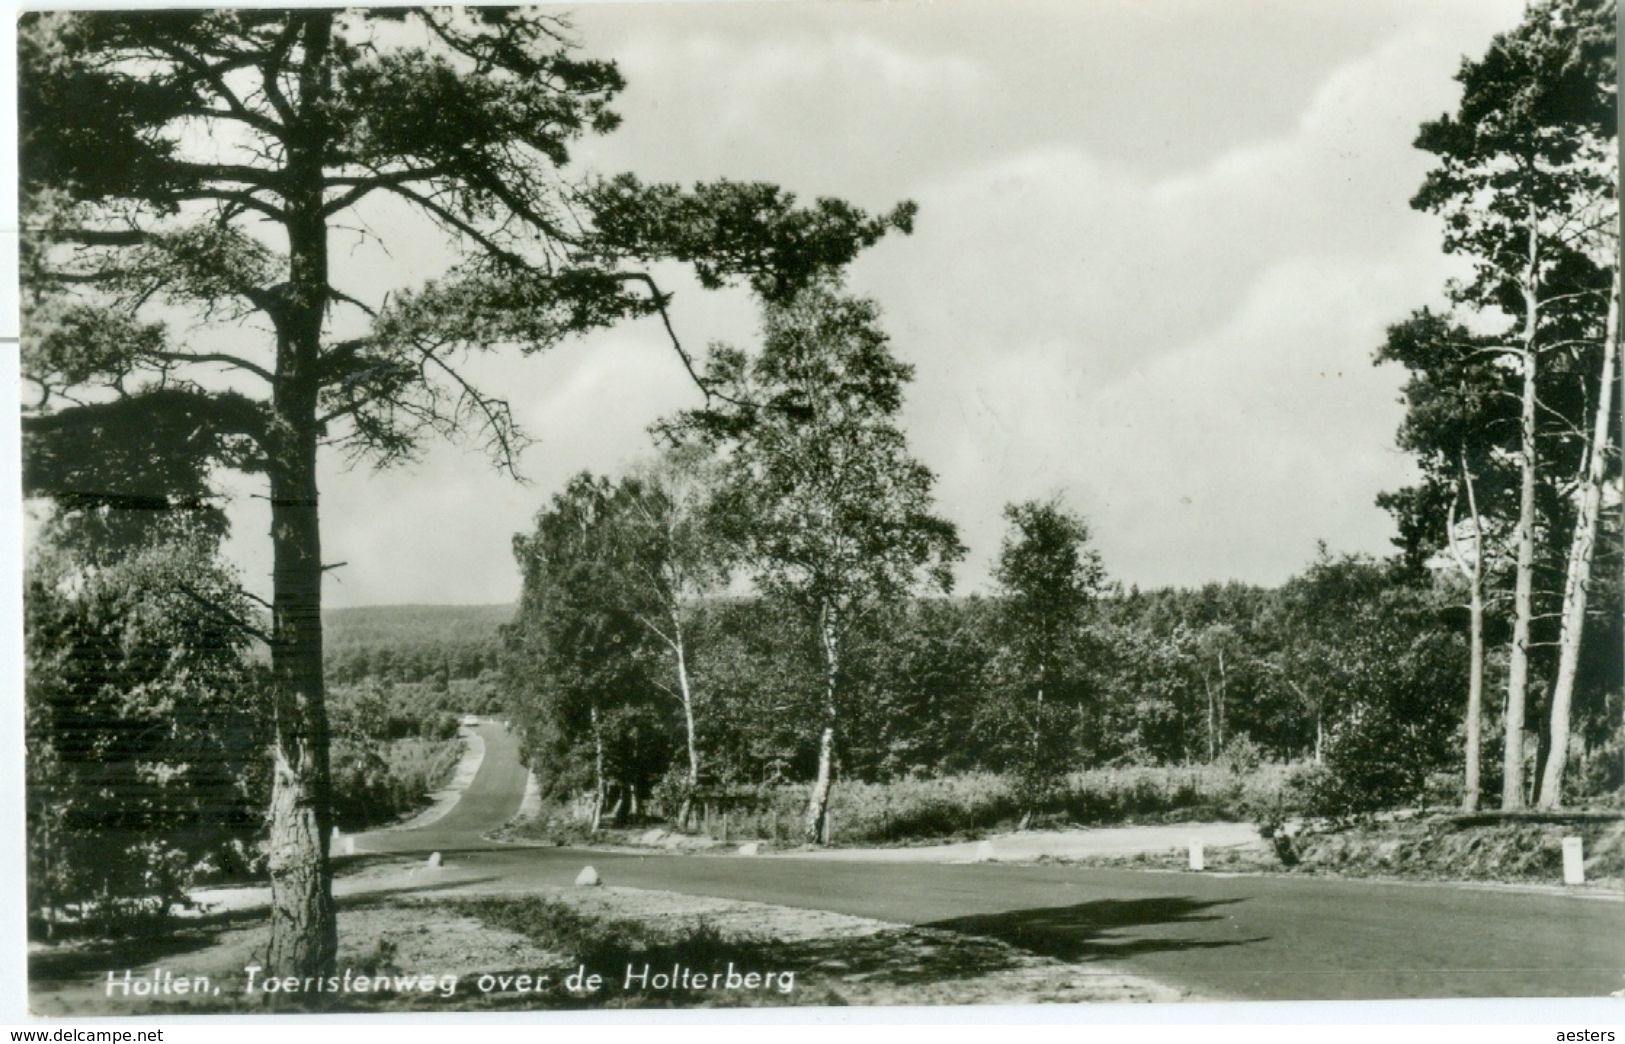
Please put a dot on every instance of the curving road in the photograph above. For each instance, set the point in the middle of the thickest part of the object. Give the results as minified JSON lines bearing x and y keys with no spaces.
{"x":490,"y":800}
{"x":1248,"y":937}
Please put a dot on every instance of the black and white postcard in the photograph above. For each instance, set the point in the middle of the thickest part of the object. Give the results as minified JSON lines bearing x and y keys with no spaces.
{"x":715,"y":505}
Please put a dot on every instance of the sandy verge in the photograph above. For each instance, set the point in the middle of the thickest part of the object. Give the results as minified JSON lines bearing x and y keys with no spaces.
{"x":1029,"y":845}
{"x":1017,"y":847}
{"x":530,"y":806}
{"x":879,"y":962}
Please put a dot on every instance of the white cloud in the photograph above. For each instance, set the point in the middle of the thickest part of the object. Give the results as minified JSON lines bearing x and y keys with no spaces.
{"x":1183,"y":353}
{"x":798,"y":64}
{"x":1187,"y":359}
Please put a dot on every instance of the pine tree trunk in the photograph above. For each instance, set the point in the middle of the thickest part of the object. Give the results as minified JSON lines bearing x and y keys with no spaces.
{"x":304,"y":926}
{"x":1578,"y":577}
{"x":815,"y":825}
{"x":304,"y":930}
{"x":1523,"y":587}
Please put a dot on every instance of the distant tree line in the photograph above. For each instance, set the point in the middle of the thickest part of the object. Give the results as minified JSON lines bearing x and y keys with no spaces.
{"x":430,"y":644}
{"x":1355,"y":666}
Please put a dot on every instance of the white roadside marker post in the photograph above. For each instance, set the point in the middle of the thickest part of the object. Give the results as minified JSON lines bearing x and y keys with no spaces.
{"x":1574,"y":867}
{"x":1197,"y":863}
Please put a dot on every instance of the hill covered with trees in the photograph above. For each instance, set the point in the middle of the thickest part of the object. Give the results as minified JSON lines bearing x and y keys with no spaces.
{"x":412,"y":643}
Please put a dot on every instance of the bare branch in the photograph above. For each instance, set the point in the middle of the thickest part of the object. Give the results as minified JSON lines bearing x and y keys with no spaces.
{"x":223,"y":614}
{"x":361,"y":187}
{"x":217,"y":357}
{"x":453,"y":221}
{"x":215,"y":75}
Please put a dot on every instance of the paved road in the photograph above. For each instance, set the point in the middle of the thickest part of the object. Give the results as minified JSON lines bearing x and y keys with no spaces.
{"x":1252,"y":937}
{"x":492,"y":798}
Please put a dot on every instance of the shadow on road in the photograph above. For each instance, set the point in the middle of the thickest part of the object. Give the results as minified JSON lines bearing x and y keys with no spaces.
{"x":1106,"y":929}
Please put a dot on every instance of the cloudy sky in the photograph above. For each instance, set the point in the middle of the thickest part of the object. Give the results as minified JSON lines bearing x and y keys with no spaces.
{"x":1156,"y":246}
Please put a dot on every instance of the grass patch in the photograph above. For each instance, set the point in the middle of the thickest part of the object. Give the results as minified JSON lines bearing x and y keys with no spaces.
{"x":975,"y":804}
{"x":629,"y":956}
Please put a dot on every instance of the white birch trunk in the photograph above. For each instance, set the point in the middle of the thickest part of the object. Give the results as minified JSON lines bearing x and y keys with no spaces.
{"x":600,"y":794}
{"x":686,"y":693}
{"x":815,"y":827}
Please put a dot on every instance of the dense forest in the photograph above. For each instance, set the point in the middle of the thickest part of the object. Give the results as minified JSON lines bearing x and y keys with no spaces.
{"x":412,"y":643}
{"x":1353,"y":671}
{"x":1159,"y":677}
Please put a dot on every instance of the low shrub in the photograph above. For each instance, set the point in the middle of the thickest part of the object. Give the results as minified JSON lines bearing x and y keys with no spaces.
{"x":1598,"y":778}
{"x":975,"y":803}
{"x":1241,"y":755}
{"x":376,"y":782}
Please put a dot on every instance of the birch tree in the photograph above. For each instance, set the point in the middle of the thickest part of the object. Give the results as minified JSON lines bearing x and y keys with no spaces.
{"x":828,"y":509}
{"x":1047,"y":574}
{"x":669,"y":559}
{"x":576,"y":642}
{"x":1459,"y":425}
